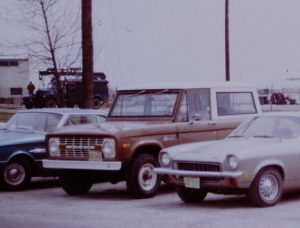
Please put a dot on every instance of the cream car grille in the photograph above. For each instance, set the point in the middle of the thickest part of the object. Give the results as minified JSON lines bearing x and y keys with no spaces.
{"x":199,"y":166}
{"x":78,"y":147}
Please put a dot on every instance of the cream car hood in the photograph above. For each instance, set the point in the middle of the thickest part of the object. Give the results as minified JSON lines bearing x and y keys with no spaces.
{"x":216,"y":151}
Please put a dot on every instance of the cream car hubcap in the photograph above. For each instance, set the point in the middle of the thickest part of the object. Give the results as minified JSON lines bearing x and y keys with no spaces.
{"x":14,"y":174}
{"x":268,"y":187}
{"x":147,"y":177}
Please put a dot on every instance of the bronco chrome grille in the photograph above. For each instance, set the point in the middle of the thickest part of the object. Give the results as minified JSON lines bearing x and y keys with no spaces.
{"x":78,"y":147}
{"x":199,"y":166}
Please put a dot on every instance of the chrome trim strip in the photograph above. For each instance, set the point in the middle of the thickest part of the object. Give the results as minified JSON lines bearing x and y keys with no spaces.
{"x":38,"y":150}
{"x":85,"y":165}
{"x":169,"y":171}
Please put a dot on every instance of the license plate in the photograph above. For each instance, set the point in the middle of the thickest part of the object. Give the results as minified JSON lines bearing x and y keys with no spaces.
{"x":192,"y":182}
{"x":95,"y":156}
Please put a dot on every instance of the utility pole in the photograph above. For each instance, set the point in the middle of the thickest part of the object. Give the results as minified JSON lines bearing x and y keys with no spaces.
{"x":87,"y":54}
{"x":227,"y":55}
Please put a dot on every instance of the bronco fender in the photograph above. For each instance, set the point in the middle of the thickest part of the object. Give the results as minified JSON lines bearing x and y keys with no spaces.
{"x":131,"y":150}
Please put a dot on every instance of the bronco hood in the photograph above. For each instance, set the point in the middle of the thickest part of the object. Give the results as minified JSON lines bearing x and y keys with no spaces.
{"x":107,"y":128}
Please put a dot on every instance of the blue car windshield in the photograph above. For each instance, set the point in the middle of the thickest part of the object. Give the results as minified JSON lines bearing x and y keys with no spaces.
{"x":33,"y":121}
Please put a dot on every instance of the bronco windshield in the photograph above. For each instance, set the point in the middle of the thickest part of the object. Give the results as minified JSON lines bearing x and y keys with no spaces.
{"x":145,"y":103}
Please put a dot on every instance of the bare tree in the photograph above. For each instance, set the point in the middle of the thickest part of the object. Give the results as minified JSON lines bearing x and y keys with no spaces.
{"x":54,"y":36}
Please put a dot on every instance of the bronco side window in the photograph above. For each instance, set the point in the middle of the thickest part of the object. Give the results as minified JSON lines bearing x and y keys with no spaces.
{"x":235,"y":103}
{"x":183,"y":112}
{"x":198,"y":104}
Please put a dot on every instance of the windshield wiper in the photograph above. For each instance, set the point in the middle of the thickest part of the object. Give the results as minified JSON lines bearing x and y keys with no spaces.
{"x":236,"y":136}
{"x":139,"y":93}
{"x":24,"y":128}
{"x":262,"y":136}
{"x":143,"y":91}
{"x":163,"y":91}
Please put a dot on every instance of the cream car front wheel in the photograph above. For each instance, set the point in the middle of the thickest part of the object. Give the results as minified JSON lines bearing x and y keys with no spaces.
{"x":266,"y":190}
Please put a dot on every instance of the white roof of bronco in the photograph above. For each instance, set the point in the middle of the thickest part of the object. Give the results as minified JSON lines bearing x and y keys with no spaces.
{"x":187,"y":85}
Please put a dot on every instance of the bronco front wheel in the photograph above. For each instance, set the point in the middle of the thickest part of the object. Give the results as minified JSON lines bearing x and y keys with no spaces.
{"x":142,"y":181}
{"x":75,"y":183}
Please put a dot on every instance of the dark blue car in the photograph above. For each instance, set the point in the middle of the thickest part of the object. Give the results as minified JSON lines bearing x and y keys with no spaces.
{"x":22,"y":142}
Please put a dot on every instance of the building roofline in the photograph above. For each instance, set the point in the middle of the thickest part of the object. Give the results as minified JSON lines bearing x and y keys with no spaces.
{"x":16,"y":59}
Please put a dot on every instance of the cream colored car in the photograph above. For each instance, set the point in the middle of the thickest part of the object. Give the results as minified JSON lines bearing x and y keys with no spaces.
{"x":261,"y":158}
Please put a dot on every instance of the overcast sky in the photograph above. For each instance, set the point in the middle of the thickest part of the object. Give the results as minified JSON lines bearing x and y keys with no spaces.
{"x":144,"y":41}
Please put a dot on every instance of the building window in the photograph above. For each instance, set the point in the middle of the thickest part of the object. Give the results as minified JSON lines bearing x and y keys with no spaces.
{"x":16,"y":91}
{"x":9,"y":63}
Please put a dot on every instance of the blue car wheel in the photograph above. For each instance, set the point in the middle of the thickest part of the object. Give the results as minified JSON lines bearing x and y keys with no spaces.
{"x":16,"y":175}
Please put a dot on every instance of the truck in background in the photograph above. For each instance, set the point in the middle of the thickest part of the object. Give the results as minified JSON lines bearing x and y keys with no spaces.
{"x":72,"y":88}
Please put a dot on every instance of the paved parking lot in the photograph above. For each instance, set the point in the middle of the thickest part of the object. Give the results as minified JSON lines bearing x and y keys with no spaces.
{"x":46,"y":205}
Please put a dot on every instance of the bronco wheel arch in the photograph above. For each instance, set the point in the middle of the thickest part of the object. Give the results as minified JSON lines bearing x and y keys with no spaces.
{"x":153,"y":149}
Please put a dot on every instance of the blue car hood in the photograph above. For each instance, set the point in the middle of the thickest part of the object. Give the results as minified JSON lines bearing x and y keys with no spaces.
{"x":20,"y":137}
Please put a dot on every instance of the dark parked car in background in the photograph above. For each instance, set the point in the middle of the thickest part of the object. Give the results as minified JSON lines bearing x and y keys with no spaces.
{"x":22,"y":141}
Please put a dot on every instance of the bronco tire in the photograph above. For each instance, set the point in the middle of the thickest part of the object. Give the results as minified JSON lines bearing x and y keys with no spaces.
{"x":190,"y":195}
{"x":266,"y":189}
{"x":142,"y":181}
{"x":16,"y":175}
{"x":75,"y":183}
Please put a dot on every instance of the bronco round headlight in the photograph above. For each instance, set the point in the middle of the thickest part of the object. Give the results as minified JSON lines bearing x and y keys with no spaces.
{"x":109,"y":148}
{"x":165,"y":159}
{"x":232,"y":161}
{"x":54,"y":146}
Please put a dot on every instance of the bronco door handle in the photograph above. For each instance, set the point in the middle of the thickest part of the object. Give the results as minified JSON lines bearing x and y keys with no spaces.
{"x":211,"y":123}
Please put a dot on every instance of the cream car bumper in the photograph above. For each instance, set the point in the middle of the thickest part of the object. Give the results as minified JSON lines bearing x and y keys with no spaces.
{"x":168,"y":171}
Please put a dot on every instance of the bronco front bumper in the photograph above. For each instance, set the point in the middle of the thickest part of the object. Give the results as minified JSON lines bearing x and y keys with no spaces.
{"x":82,"y":165}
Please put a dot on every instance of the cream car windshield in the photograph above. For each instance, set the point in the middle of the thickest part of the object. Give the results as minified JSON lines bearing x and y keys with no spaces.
{"x":283,"y":127}
{"x":145,"y":103}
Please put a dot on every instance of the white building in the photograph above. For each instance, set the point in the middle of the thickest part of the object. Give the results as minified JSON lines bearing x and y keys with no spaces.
{"x":14,"y":78}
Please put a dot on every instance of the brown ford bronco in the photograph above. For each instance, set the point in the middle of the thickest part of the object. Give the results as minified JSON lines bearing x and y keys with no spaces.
{"x":140,"y":123}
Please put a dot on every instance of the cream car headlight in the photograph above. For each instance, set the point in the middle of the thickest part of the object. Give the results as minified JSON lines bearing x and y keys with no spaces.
{"x":54,"y":147}
{"x":232,"y":161}
{"x":109,"y":148}
{"x":165,"y":159}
